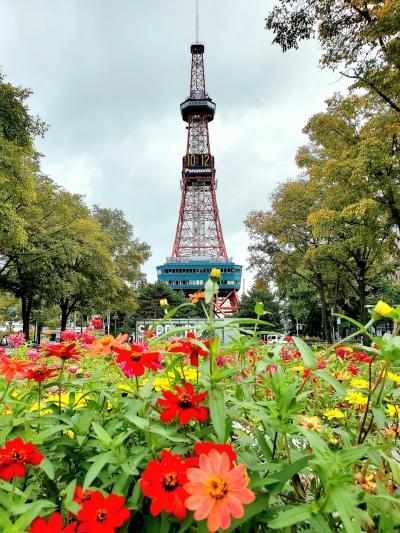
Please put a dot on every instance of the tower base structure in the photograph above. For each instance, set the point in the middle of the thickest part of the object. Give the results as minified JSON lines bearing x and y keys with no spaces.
{"x":190,"y":275}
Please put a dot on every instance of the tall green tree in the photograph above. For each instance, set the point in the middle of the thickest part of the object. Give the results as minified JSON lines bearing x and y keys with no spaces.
{"x":260,"y":292}
{"x":360,"y":38}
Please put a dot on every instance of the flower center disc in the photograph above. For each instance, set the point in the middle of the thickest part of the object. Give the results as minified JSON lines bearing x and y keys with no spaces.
{"x":101,"y":515}
{"x":170,"y":481}
{"x":136,"y":356}
{"x":217,"y":488}
{"x":18,"y":456}
{"x":185,"y":400}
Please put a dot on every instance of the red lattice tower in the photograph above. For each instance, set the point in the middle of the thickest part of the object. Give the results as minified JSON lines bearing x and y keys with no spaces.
{"x":199,"y":231}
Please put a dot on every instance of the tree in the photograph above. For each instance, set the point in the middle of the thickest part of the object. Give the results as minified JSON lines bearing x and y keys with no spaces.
{"x":260,"y":292}
{"x":149,"y":296}
{"x":360,"y":37}
{"x":355,"y":144}
{"x":128,"y":255}
{"x":282,"y":243}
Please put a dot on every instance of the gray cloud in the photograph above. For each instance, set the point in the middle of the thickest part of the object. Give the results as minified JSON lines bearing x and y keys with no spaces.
{"x":109,"y":76}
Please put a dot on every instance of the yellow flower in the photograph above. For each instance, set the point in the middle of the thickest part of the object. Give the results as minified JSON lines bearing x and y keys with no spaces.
{"x":383,"y":309}
{"x":367,"y":482}
{"x":164,"y":302}
{"x":393,"y":377}
{"x":298,"y":368}
{"x":126,"y":388}
{"x":310,"y":422}
{"x":358,"y":383}
{"x":69,"y":433}
{"x":356,"y":398}
{"x":215,"y":274}
{"x":333,"y":413}
{"x":393,"y":410}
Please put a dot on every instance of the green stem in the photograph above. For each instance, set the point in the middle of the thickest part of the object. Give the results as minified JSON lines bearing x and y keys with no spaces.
{"x":4,"y":393}
{"x":210,"y":333}
{"x":39,"y":396}
{"x":59,"y":384}
{"x":338,"y":343}
{"x":137,"y":384}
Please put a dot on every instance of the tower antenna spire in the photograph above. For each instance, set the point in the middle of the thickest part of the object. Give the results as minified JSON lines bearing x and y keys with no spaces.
{"x":197,"y":21}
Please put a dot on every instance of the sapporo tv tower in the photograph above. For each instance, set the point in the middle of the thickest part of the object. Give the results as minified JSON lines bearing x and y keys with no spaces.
{"x":199,"y":243}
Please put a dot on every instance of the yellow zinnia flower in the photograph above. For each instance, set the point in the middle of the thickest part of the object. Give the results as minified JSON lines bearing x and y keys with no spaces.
{"x":393,"y":410}
{"x":333,"y":413}
{"x":358,"y":383}
{"x":356,"y":398}
{"x":215,"y":274}
{"x":393,"y":377}
{"x":298,"y":368}
{"x":383,"y":309}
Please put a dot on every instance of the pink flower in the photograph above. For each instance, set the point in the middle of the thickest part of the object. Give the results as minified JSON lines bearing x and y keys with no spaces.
{"x":73,"y":369}
{"x":68,"y":336}
{"x":16,"y":339}
{"x":217,"y":490}
{"x":33,"y":354}
{"x":271,"y":368}
{"x":220,"y":361}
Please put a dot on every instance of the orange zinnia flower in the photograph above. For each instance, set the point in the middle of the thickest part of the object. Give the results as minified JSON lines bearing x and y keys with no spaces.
{"x":105,"y":345}
{"x":197,"y":297}
{"x":13,"y":367}
{"x":217,"y":491}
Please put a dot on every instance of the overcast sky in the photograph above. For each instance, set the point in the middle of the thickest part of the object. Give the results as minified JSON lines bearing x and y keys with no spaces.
{"x":109,"y":77}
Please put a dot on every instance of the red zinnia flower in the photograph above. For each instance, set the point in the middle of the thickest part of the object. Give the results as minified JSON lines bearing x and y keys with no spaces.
{"x":40,"y":373}
{"x":54,"y":525}
{"x":13,"y":367}
{"x":206,"y":447}
{"x":361,"y":357}
{"x":183,"y":405}
{"x":102,"y":515}
{"x":15,"y":455}
{"x":81,"y":496}
{"x":189,"y":348}
{"x":353,"y":369}
{"x":62,"y":350}
{"x":163,"y":482}
{"x":70,"y":336}
{"x":134,"y":359}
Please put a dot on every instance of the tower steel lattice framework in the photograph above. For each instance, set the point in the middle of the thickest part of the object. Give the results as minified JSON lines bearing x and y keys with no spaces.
{"x":199,"y":231}
{"x":199,"y":240}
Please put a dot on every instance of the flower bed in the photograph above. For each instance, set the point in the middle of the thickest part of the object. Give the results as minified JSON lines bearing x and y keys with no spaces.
{"x":173,"y":434}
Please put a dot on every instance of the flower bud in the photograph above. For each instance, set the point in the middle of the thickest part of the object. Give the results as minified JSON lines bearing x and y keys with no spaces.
{"x":164,"y":303}
{"x":215,"y":274}
{"x":383,"y":309}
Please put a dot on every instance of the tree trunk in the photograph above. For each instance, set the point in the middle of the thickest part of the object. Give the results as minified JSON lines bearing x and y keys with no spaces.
{"x":64,"y":313}
{"x":26,"y":306}
{"x":362,"y":295}
{"x":38,"y":333}
{"x":326,"y":330}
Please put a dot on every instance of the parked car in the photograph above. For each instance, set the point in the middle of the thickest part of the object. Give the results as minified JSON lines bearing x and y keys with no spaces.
{"x":273,"y":339}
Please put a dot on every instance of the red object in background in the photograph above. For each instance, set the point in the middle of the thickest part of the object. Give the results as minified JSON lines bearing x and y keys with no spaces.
{"x":97,"y":323}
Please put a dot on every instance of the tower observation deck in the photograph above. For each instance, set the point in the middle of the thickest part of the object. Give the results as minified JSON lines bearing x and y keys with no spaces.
{"x":199,"y":243}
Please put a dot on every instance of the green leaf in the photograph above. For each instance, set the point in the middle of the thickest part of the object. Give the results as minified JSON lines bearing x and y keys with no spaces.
{"x":137,"y":421}
{"x":306,"y":353}
{"x":216,"y":402}
{"x":292,"y":516}
{"x":380,"y":416}
{"x":102,"y":434}
{"x":47,"y":467}
{"x":327,"y":376}
{"x":288,"y":471}
{"x":97,"y":466}
{"x":211,"y":288}
{"x":319,"y":524}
